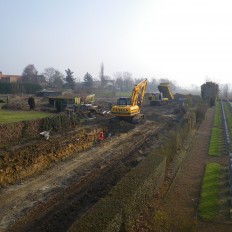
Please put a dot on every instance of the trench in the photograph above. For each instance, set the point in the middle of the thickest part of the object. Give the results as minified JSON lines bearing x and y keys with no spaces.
{"x":70,"y":203}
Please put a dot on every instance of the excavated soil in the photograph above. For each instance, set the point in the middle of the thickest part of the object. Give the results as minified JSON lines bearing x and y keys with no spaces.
{"x":52,"y":200}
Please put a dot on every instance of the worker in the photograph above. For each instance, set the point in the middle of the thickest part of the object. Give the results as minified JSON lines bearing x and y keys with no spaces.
{"x":101,"y":136}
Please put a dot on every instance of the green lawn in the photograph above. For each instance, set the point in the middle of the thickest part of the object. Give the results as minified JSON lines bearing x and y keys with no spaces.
{"x":7,"y":116}
{"x":209,"y":198}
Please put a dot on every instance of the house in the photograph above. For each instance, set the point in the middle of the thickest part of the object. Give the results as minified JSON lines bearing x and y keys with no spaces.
{"x":9,"y":78}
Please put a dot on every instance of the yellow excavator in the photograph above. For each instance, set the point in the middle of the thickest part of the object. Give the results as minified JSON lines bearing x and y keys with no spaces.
{"x":128,"y":109}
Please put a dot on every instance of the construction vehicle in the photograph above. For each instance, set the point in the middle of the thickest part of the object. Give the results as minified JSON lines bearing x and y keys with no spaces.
{"x":164,"y":95}
{"x":128,"y":109}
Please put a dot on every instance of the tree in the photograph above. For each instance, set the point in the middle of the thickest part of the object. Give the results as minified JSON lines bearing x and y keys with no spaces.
{"x":31,"y":103}
{"x":49,"y":74}
{"x":58,"y":80}
{"x":128,"y":81}
{"x":30,"y":70}
{"x":30,"y":75}
{"x":226,"y":90}
{"x":54,"y":77}
{"x":124,"y":81}
{"x":69,"y":76}
{"x":88,"y":80}
{"x":118,"y":81}
{"x":70,"y":80}
{"x":152,"y":86}
{"x":209,"y":92}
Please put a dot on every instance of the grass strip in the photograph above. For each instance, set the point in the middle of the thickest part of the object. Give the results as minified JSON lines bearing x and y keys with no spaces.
{"x":216,"y":145}
{"x":209,"y":197}
{"x":9,"y":116}
{"x":217,"y":112}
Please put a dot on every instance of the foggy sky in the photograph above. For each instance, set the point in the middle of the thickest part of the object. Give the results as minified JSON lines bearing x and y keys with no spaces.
{"x":187,"y":41}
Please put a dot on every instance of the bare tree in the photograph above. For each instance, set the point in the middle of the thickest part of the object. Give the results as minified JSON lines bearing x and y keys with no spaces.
{"x":226,"y":90}
{"x":124,"y":81}
{"x":58,"y":80}
{"x":118,"y":81}
{"x":128,"y":81}
{"x":152,"y":85}
{"x":49,"y":73}
{"x":54,"y":77}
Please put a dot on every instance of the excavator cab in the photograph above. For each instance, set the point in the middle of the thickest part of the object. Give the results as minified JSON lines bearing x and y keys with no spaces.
{"x":123,"y":101}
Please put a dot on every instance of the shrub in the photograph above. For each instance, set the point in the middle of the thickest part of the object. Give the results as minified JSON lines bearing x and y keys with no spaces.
{"x":31,"y":103}
{"x":59,"y":106}
{"x":200,"y":112}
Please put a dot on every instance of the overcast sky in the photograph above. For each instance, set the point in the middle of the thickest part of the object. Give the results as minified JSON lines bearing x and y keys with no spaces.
{"x":187,"y":41}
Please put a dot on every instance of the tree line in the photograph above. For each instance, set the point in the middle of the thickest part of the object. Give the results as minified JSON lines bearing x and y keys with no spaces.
{"x":32,"y":81}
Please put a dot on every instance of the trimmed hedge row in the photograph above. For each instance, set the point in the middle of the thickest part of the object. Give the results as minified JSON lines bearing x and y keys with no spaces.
{"x":119,"y":209}
{"x":18,"y":88}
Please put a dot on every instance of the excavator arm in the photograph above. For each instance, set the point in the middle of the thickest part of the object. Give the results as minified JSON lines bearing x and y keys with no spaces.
{"x":138,"y":93}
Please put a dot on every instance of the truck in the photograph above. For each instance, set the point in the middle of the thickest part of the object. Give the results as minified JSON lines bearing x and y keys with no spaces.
{"x":164,"y":95}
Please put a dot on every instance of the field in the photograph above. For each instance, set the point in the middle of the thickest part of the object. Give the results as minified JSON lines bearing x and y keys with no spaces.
{"x":7,"y":116}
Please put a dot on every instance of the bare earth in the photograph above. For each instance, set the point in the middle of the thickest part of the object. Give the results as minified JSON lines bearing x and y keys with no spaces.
{"x":52,"y":200}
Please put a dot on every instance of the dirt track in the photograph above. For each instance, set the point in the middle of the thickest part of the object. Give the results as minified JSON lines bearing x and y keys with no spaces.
{"x":68,"y":189}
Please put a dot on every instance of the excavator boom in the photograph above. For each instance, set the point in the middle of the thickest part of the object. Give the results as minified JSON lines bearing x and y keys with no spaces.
{"x":140,"y":88}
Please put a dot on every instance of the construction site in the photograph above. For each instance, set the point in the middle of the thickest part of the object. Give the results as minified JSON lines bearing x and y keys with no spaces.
{"x":127,"y":164}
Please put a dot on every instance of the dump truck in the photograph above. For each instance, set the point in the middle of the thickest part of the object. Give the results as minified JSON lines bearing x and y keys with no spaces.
{"x":164,"y":95}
